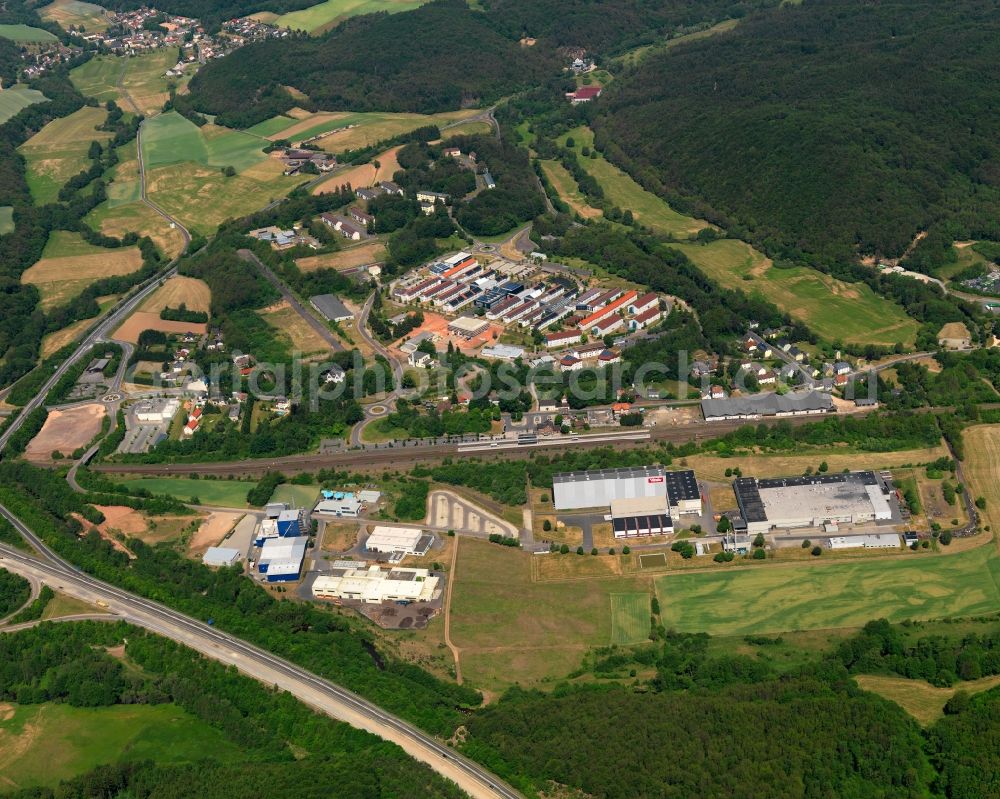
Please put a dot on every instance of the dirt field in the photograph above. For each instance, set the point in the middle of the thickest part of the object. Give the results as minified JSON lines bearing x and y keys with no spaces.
{"x":365,"y":174}
{"x":368,"y":253}
{"x":212,"y":531}
{"x":303,"y":338}
{"x":438,"y":325}
{"x":142,"y":320}
{"x":123,"y":520}
{"x":61,"y":279}
{"x":65,"y":431}
{"x":190,"y":291}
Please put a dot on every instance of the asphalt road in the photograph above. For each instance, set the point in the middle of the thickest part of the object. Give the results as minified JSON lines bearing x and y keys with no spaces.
{"x":321,"y":330}
{"x":252,"y":661}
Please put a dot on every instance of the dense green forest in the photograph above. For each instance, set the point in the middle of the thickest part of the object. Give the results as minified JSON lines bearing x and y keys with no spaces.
{"x":439,"y":57}
{"x":288,"y":748}
{"x":828,"y":128}
{"x":611,"y":26}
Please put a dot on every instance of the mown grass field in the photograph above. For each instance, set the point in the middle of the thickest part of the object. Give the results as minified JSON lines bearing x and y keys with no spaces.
{"x":77,"y":14}
{"x":368,"y":253}
{"x":184,"y":171}
{"x":296,"y":333}
{"x":471,"y":128}
{"x":349,"y":131}
{"x":40,"y":745}
{"x":224,"y":493}
{"x":6,"y":219}
{"x":323,"y":16}
{"x":630,"y":618}
{"x":923,"y":701}
{"x":835,"y":310}
{"x":981,"y":467}
{"x":510,"y":628}
{"x":564,"y":184}
{"x":295,"y":495}
{"x":59,"y":151}
{"x":142,"y":77}
{"x":17,"y":97}
{"x":621,"y":190}
{"x":772,"y":599}
{"x":25,"y":34}
{"x":69,"y":264}
{"x":639,"y":54}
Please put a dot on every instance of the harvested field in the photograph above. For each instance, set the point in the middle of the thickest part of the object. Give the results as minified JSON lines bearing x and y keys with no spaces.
{"x":77,"y":14}
{"x":56,"y":341}
{"x":363,"y":175}
{"x":368,"y":253}
{"x":982,"y":465}
{"x":923,"y":701}
{"x":212,"y":530}
{"x":177,"y":291}
{"x":65,"y":431}
{"x":61,"y":278}
{"x":118,"y":219}
{"x":311,"y":125}
{"x":59,"y":151}
{"x":142,"y":320}
{"x":295,"y":329}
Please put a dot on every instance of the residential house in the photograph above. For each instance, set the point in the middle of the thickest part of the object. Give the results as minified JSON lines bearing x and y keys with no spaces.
{"x":391,"y":188}
{"x":584,"y":94}
{"x":432,"y":197}
{"x":563,"y":338}
{"x":360,"y":216}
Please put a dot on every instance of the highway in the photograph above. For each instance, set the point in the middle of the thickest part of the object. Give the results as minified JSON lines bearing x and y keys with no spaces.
{"x":320,"y":694}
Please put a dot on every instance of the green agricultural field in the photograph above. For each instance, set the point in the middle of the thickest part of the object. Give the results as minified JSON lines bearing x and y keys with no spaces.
{"x":17,"y":97}
{"x":271,"y":126}
{"x":296,"y":496}
{"x":40,"y":745}
{"x":25,"y":34}
{"x":222,"y":493}
{"x":835,"y":310}
{"x":323,"y":16}
{"x":59,"y":151}
{"x":6,"y":219}
{"x":773,"y":599}
{"x":621,"y":190}
{"x":142,"y":79}
{"x":171,"y":139}
{"x":630,"y":618}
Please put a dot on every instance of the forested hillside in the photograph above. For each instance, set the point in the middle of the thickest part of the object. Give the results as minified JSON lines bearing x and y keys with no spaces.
{"x":436,"y":58}
{"x":213,"y":12}
{"x":832,"y":127}
{"x":611,"y":26}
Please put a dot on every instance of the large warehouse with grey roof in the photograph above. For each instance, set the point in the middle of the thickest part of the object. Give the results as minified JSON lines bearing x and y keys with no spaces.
{"x":813,"y":501}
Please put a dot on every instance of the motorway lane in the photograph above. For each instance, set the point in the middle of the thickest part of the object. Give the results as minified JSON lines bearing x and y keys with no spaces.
{"x":321,"y":694}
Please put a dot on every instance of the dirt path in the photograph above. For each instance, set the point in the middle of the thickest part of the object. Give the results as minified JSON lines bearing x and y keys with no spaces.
{"x":455,"y":651}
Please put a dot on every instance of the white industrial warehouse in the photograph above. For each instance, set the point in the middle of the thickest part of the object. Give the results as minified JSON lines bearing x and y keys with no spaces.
{"x":373,"y":585}
{"x":814,"y":501}
{"x":591,"y":489}
{"x":281,"y":558}
{"x":405,"y":540}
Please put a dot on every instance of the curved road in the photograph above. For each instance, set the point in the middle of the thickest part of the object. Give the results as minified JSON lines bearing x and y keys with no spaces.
{"x":253,"y":661}
{"x":380,"y":349}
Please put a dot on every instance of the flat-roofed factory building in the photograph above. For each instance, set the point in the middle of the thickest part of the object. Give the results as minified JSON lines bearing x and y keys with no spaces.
{"x":829,"y":499}
{"x":596,"y":487}
{"x":641,"y":516}
{"x":405,"y":540}
{"x":373,"y":585}
{"x":683,"y":493}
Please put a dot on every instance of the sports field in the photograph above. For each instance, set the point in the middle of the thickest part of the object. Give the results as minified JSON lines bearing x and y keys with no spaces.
{"x":6,"y":219}
{"x":622,"y":191}
{"x":184,"y":171}
{"x":69,"y":264}
{"x":323,"y":16}
{"x":143,"y":79}
{"x":630,"y":618}
{"x":76,"y":14}
{"x":43,"y":744}
{"x":25,"y":34}
{"x":835,"y":310}
{"x":772,"y":599}
{"x":59,"y":151}
{"x":224,"y":493}
{"x":17,"y":97}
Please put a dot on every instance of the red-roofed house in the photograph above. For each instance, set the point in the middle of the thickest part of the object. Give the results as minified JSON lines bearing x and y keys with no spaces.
{"x":563,"y":338}
{"x":644,"y":303}
{"x":584,"y":94}
{"x":645,"y":318}
{"x":609,"y":309}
